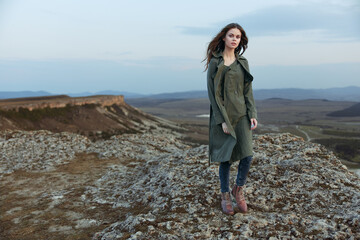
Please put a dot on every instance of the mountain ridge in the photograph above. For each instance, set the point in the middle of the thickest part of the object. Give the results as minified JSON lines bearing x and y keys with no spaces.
{"x":349,"y":93}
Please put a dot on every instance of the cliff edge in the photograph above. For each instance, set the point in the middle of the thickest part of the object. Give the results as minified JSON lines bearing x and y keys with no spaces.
{"x":154,"y":186}
{"x":95,"y":116}
{"x":59,"y":101}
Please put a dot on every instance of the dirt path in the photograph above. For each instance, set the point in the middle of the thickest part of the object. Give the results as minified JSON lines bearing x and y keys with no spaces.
{"x":50,"y":205}
{"x":308,"y":138}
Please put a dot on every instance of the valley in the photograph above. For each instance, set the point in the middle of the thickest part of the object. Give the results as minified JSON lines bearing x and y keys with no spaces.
{"x":306,"y":118}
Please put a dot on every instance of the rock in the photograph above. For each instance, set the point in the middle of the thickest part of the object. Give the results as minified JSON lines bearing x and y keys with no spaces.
{"x":164,"y":189}
{"x":85,"y":223}
{"x":38,"y":150}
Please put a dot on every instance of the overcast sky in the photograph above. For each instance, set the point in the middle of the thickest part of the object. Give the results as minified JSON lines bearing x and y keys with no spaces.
{"x":69,"y":46}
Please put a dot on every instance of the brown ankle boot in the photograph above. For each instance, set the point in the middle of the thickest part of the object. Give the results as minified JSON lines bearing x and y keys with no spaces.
{"x":226,"y":203}
{"x":238,"y":193}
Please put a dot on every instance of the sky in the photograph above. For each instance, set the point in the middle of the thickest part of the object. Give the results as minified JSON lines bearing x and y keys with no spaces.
{"x":148,"y":47}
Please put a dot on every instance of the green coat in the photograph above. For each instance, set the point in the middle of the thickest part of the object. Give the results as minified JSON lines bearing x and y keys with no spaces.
{"x":238,"y":144}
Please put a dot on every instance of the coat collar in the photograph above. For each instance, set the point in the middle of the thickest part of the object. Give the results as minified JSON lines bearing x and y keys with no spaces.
{"x":220,"y":54}
{"x":242,"y":60}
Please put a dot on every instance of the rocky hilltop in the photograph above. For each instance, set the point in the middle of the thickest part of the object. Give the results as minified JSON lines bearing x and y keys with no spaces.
{"x":152,"y":185}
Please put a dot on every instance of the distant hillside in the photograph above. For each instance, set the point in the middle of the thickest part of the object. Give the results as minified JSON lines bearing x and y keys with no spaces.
{"x":10,"y":101}
{"x":180,"y":95}
{"x":94,"y":116}
{"x":351,"y":93}
{"x":20,"y":94}
{"x":107,"y":92}
{"x":353,"y":111}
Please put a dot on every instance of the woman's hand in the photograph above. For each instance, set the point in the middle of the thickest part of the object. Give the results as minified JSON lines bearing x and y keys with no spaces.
{"x":225,"y":128}
{"x":253,"y":123}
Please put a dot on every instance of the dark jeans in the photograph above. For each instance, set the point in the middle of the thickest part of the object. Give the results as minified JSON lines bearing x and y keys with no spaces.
{"x":224,"y":172}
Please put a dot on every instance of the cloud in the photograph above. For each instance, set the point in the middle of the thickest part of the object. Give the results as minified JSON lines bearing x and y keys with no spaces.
{"x":330,"y":22}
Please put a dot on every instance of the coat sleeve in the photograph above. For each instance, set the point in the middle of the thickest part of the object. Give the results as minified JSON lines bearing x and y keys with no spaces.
{"x":211,"y":91}
{"x":249,"y":99}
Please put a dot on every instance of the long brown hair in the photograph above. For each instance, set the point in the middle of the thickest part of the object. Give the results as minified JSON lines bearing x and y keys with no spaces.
{"x":217,"y":44}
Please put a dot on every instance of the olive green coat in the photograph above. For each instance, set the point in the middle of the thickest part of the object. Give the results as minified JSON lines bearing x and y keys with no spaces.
{"x":238,"y":144}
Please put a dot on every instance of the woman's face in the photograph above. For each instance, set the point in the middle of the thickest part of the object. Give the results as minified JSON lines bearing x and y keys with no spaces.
{"x":232,"y":38}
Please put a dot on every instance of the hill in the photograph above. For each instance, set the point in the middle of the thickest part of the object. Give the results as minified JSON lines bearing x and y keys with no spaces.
{"x":353,"y":111}
{"x":20,"y":94}
{"x":152,"y":185}
{"x":351,"y":93}
{"x":94,"y":116}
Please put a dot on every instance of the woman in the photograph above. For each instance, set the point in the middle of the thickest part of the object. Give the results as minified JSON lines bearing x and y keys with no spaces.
{"x":232,"y":111}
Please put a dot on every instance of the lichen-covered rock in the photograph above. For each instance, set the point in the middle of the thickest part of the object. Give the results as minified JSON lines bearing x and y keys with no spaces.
{"x":296,"y":190}
{"x":38,"y":150}
{"x":162,"y":188}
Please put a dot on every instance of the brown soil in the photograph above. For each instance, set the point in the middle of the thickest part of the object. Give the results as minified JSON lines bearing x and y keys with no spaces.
{"x":29,"y":211}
